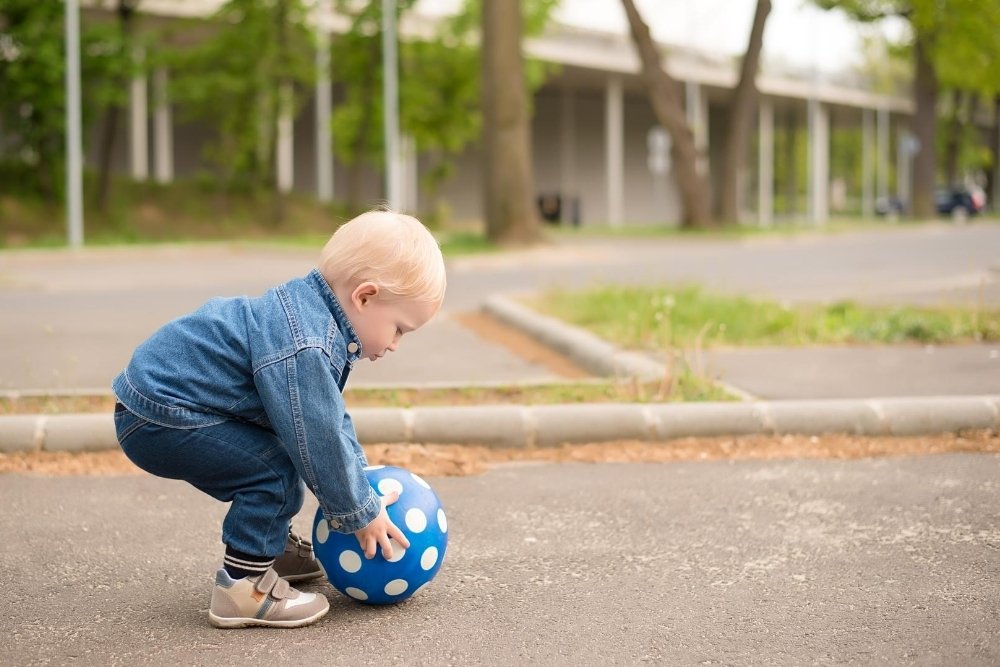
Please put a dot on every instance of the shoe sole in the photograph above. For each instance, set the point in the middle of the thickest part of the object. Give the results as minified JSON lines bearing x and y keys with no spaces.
{"x":305,"y":576}
{"x":233,"y":623}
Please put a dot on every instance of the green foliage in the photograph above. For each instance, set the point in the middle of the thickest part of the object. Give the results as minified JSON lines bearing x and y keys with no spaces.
{"x":962,"y":41}
{"x":438,"y":84}
{"x":961,"y":35}
{"x":967,"y":53}
{"x":663,"y":318}
{"x":33,"y":100}
{"x":233,"y":80}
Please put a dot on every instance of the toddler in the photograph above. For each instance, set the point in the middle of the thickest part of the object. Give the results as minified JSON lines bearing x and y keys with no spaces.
{"x":242,"y":399}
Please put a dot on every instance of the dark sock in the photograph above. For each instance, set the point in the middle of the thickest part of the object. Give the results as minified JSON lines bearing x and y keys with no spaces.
{"x":239,"y":564}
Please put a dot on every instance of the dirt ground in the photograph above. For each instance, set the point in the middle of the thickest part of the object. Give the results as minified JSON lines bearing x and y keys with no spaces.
{"x":524,"y":346}
{"x":451,"y":460}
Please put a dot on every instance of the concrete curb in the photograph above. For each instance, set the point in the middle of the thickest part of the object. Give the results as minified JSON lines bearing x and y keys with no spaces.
{"x":549,"y":425}
{"x":589,"y":351}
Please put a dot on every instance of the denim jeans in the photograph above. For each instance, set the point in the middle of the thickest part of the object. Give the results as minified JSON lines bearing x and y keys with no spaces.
{"x":231,"y":461}
{"x":280,"y":362}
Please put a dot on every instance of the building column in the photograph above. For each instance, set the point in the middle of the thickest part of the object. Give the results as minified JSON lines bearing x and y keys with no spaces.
{"x":567,"y":154}
{"x":324,"y":106}
{"x":765,"y":162}
{"x":696,"y":110}
{"x":867,"y":163}
{"x":163,"y":129}
{"x":904,"y":162}
{"x":882,"y":165}
{"x":615,"y":149}
{"x":410,"y":174}
{"x":285,"y":148}
{"x":995,"y":195}
{"x":819,"y":162}
{"x":138,"y":129}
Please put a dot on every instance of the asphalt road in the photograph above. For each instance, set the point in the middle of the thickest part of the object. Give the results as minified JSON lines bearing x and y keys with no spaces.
{"x":889,"y":561}
{"x":71,"y":319}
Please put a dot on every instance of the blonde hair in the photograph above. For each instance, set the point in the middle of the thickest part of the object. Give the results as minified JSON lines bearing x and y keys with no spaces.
{"x":392,"y":250}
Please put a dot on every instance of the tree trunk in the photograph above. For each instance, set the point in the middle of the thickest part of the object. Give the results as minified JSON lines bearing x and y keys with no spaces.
{"x":126,"y":9}
{"x":108,"y":132}
{"x":994,"y":171}
{"x":284,"y":105}
{"x":953,"y":140}
{"x":665,"y":97}
{"x":925,"y":93}
{"x":508,"y":174}
{"x":355,"y":172}
{"x":741,"y":110}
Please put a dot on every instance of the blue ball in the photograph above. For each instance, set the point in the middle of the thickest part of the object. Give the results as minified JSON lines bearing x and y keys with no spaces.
{"x":418,"y":513}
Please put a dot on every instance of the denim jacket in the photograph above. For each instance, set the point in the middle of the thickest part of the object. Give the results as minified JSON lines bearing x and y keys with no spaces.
{"x":279,"y":361}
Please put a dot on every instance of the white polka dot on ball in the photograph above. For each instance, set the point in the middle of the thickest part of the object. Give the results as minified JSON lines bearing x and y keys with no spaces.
{"x":374,"y":467}
{"x":322,"y":531}
{"x":429,"y":558}
{"x":419,"y":480}
{"x":396,"y":587}
{"x":350,"y":561}
{"x":356,"y":593}
{"x":416,"y":520}
{"x":442,"y":521}
{"x":397,"y":551}
{"x":388,"y":485}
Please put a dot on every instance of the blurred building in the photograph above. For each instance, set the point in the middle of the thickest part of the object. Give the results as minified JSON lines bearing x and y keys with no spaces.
{"x":599,"y":157}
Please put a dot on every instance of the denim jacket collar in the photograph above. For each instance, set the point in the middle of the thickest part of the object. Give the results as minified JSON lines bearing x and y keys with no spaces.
{"x":323,"y":288}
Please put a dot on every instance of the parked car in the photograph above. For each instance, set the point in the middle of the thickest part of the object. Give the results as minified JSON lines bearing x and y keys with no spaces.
{"x":959,"y":201}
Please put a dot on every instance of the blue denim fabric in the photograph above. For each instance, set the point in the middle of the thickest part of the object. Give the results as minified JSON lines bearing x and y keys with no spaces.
{"x":231,"y":461}
{"x":278,"y":362}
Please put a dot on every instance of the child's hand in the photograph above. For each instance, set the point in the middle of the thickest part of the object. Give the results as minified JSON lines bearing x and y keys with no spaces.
{"x":380,"y":530}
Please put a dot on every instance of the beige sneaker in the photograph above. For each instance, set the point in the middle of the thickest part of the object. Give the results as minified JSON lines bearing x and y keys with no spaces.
{"x":264,"y":600}
{"x":298,"y":562}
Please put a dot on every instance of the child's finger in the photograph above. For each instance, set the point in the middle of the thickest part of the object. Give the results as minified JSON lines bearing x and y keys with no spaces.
{"x":398,"y":535}
{"x":390,"y":498}
{"x":386,"y":545}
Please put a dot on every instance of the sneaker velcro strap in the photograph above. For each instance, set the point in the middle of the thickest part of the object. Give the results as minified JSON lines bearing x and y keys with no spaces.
{"x":282,"y":590}
{"x":273,"y":585}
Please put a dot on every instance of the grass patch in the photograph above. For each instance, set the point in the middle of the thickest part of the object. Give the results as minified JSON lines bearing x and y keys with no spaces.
{"x":685,"y":387}
{"x":689,"y":317}
{"x":193,"y":211}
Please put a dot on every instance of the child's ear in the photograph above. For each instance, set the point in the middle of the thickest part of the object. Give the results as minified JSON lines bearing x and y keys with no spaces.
{"x":363,"y":293}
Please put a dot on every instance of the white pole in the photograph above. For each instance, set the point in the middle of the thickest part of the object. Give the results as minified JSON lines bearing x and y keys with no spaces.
{"x":765,"y":163}
{"x":390,"y":92}
{"x":882,"y":165}
{"x":324,"y":105}
{"x":138,"y":122}
{"x":163,"y":136}
{"x":286,"y":140}
{"x":867,"y":163}
{"x":74,"y":149}
{"x":614,"y":141}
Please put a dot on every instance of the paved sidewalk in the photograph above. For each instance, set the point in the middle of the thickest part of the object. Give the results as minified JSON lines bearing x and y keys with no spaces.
{"x":847,"y":372}
{"x":72,"y":319}
{"x":888,"y":561}
{"x":730,"y":562}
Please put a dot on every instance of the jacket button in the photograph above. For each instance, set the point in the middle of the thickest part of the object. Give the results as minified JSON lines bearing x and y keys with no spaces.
{"x":352,"y":347}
